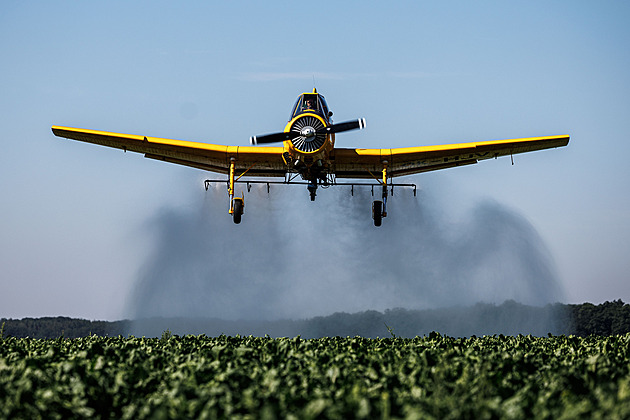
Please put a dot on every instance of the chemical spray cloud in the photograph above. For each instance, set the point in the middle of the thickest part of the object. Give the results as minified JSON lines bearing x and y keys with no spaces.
{"x":293,"y":259}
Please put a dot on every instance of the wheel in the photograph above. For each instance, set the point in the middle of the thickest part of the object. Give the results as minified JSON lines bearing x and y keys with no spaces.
{"x":377,"y":212}
{"x":238,"y":210}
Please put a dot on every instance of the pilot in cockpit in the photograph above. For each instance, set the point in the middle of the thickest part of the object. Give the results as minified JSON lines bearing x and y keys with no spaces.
{"x":309,"y":103}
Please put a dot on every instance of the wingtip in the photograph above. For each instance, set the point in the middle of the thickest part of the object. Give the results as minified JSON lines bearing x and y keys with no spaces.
{"x":56,"y":130}
{"x":253,"y":140}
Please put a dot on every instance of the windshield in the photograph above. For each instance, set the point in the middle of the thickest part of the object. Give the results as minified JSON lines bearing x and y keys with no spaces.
{"x":310,"y":102}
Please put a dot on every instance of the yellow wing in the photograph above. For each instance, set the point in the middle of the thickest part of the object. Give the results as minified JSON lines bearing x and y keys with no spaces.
{"x":368,"y":163}
{"x":261,"y":161}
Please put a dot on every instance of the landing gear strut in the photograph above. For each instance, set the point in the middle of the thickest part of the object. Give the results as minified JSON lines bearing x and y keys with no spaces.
{"x":379,"y":208}
{"x":237,"y":204}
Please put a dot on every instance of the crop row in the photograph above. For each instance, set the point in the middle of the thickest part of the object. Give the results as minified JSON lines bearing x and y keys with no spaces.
{"x":254,"y":377}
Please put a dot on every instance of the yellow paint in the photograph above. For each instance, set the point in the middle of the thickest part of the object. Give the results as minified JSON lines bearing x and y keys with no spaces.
{"x":174,"y":148}
{"x":403,"y":151}
{"x":231,"y":186}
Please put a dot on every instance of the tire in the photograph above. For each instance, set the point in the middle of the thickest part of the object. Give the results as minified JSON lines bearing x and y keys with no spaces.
{"x":238,"y":211}
{"x":377,"y":212}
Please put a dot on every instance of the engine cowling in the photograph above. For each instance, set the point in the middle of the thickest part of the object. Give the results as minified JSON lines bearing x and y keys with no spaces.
{"x":311,"y":135}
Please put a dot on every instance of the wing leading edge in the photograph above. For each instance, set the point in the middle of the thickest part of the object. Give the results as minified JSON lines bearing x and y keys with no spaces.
{"x":261,"y":161}
{"x":366,"y":163}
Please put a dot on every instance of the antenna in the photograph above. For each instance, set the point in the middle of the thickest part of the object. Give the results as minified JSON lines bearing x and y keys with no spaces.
{"x":313,"y":81}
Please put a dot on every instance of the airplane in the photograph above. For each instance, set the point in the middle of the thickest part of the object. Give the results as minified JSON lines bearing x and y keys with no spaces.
{"x":308,"y":151}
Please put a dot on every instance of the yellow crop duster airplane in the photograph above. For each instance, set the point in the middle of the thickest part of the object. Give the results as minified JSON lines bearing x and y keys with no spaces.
{"x":308,"y":150}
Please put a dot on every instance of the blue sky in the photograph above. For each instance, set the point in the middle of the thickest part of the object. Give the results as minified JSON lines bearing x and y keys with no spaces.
{"x":76,"y":218}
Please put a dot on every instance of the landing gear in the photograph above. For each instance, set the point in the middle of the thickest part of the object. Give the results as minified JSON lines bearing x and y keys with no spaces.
{"x":379,"y":208}
{"x":315,"y":176}
{"x":237,"y":204}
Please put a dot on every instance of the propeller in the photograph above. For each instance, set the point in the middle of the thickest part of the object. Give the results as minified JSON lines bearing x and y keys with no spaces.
{"x":307,"y":132}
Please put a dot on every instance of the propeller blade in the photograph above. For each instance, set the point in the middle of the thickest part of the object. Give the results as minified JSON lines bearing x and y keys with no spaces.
{"x":346,"y":126}
{"x":272,"y":138}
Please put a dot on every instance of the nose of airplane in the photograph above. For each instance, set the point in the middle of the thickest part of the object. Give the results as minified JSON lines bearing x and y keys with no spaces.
{"x":308,"y":132}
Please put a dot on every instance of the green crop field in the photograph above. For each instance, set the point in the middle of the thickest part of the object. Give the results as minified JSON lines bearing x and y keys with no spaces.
{"x":252,"y":377}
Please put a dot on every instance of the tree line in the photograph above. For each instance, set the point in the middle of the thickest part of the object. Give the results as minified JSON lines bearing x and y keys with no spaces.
{"x":509,"y":318}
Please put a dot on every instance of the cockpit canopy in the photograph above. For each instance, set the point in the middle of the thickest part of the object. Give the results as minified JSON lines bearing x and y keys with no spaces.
{"x":310,"y":102}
